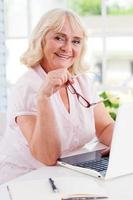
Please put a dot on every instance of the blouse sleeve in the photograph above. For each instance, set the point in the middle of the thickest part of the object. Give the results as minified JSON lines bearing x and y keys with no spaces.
{"x":21,"y":101}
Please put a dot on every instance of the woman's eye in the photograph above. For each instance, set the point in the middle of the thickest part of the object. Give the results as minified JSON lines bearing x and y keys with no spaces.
{"x":59,"y":38}
{"x":76,"y":42}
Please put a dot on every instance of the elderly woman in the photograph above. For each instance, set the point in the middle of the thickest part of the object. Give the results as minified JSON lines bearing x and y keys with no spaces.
{"x":49,"y":112}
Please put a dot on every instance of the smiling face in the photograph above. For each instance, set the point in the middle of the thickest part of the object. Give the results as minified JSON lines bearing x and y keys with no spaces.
{"x":61,"y":48}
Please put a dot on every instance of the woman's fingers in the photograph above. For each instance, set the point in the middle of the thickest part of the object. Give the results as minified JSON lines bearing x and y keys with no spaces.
{"x":105,"y":152}
{"x":55,"y":80}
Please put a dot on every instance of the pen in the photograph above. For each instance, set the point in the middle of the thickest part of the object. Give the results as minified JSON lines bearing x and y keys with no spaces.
{"x":54,"y":188}
{"x":9,"y":192}
{"x":86,"y":198}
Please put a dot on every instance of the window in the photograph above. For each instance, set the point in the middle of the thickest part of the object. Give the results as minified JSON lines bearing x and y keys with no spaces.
{"x":85,"y":7}
{"x":117,"y":7}
{"x":119,"y":60}
{"x":16,"y":18}
{"x":21,"y":17}
{"x":109,"y":24}
{"x":110,"y":31}
{"x":17,"y":30}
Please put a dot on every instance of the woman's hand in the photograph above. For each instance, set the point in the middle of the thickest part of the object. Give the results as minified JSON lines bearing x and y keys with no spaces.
{"x":54,"y":81}
{"x":105,"y":152}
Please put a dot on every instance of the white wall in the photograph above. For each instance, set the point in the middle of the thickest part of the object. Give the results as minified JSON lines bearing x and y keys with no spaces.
{"x":114,"y":25}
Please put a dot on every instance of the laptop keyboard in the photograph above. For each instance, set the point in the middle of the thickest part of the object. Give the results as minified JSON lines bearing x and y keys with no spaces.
{"x":98,"y":165}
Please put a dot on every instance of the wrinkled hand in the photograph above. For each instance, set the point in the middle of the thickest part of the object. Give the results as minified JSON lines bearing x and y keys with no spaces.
{"x":54,"y":81}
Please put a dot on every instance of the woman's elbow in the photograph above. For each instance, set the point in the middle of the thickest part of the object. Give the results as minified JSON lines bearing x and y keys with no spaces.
{"x":48,"y":159}
{"x":49,"y":162}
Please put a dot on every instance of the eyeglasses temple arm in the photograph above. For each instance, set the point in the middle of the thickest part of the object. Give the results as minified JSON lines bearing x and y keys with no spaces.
{"x":101,"y":101}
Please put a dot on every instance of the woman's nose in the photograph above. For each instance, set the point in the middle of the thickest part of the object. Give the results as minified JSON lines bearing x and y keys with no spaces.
{"x":67,"y":46}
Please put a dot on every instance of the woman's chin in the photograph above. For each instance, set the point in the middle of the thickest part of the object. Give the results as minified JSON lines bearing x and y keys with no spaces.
{"x":64,"y":65}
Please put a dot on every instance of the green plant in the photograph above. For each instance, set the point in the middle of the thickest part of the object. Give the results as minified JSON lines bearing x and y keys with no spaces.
{"x":117,"y":9}
{"x":85,"y":7}
{"x":111,"y":104}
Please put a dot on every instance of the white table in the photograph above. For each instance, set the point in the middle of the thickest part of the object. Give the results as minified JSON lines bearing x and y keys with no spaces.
{"x":118,"y":189}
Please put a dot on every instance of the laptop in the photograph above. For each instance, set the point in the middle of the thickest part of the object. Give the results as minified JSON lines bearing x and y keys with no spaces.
{"x":120,"y":160}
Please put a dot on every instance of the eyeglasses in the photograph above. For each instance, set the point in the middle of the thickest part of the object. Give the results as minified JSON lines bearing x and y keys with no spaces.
{"x":80,"y":98}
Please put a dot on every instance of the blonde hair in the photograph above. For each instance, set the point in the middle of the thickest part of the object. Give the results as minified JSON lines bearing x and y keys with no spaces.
{"x":53,"y":20}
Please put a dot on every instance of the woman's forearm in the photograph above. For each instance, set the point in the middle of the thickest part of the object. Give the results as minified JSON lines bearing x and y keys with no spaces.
{"x":106,"y":136}
{"x":45,"y":142}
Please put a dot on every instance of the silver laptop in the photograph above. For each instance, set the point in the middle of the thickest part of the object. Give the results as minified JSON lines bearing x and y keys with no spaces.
{"x":120,"y":160}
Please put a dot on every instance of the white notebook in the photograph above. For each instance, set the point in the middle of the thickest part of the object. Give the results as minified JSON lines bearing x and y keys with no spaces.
{"x":67,"y":186}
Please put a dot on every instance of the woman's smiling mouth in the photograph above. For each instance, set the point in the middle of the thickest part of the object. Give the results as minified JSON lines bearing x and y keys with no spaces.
{"x":63,"y":56}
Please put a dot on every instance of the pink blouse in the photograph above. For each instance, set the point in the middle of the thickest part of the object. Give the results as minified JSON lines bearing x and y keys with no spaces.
{"x":75,"y":128}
